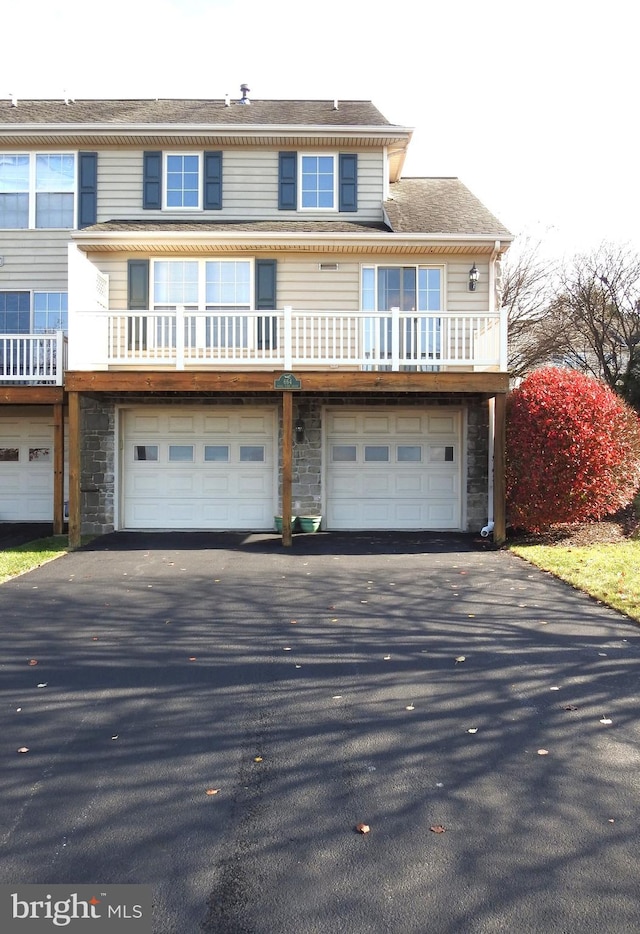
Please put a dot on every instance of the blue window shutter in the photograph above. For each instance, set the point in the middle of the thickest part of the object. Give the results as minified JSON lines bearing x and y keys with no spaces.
{"x":87,"y":188}
{"x":212,"y":200}
{"x":288,"y":181}
{"x":266,"y":301}
{"x":265,"y":284}
{"x":152,"y":181}
{"x":348,"y":182}
{"x":138,"y":284}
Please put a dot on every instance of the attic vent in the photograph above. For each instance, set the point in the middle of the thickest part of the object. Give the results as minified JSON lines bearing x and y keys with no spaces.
{"x":335,"y":104}
{"x":244,"y":90}
{"x":328,"y":267}
{"x":227,"y":101}
{"x":14,"y":100}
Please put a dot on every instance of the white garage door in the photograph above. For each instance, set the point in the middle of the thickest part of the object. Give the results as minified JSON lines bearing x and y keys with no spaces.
{"x":393,"y":469}
{"x":26,"y":468}
{"x":198,"y":468}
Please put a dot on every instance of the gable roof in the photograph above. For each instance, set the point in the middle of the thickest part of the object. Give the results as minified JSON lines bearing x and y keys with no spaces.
{"x":440,"y":206}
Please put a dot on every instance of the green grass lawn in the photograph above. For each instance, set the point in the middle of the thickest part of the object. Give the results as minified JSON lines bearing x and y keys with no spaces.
{"x":22,"y":558}
{"x":610,"y":573}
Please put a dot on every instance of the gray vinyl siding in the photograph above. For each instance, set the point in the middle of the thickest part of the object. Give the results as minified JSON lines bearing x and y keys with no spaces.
{"x":34,"y":259}
{"x":303,"y":285}
{"x":249,"y":188}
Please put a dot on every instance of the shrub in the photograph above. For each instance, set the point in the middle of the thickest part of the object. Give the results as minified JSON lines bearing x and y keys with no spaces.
{"x":573,"y":450}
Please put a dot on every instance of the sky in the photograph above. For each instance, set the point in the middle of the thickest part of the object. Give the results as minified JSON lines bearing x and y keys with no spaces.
{"x":534,"y":106}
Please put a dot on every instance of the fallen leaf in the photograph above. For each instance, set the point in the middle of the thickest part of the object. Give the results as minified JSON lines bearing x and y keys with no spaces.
{"x":543,"y":752}
{"x":606,"y":720}
{"x":387,"y":658}
{"x":337,"y":697}
{"x":94,"y":639}
{"x":212,"y":791}
{"x":257,"y":758}
{"x":461,"y":658}
{"x":43,"y":684}
{"x":410,"y":707}
{"x":363,"y":828}
{"x":23,"y":749}
{"x":554,"y":689}
{"x":612,"y":820}
{"x":437,"y":828}
{"x":192,"y":658}
{"x":115,"y":736}
{"x":287,"y":648}
{"x":33,"y":661}
{"x":298,"y":666}
{"x":439,"y":784}
{"x":473,"y":729}
{"x":294,"y":622}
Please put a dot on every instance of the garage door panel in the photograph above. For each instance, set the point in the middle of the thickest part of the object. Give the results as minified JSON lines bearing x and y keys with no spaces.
{"x":216,"y":487}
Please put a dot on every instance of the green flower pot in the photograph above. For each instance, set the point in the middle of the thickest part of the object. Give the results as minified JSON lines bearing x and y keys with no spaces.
{"x":309,"y":523}
{"x":277,"y":521}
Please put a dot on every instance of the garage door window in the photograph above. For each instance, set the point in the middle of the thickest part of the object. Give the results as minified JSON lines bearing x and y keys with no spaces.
{"x":344,"y":453}
{"x":145,"y":452}
{"x":40,"y":455}
{"x":409,"y":454}
{"x":441,"y":453}
{"x":251,"y":453}
{"x":9,"y":455}
{"x":216,"y":453}
{"x":181,"y":452}
{"x":376,"y":452}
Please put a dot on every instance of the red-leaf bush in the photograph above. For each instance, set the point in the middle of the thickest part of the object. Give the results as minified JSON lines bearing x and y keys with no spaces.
{"x":573,"y":450}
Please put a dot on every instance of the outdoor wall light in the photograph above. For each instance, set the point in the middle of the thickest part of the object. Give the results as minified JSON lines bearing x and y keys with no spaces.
{"x":298,"y":429}
{"x":474,"y":275}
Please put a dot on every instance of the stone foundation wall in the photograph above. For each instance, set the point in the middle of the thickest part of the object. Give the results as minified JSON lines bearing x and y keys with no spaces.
{"x":99,"y":457}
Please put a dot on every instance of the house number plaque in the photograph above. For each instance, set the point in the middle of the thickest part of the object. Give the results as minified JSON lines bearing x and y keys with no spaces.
{"x":287,"y":381}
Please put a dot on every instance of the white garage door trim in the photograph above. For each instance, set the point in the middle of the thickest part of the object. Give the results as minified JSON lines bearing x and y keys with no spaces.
{"x":197,"y":467}
{"x":26,"y":468}
{"x":393,"y":468}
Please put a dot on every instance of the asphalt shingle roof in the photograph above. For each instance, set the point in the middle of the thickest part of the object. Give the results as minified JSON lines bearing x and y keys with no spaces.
{"x":440,"y":205}
{"x":192,"y":112}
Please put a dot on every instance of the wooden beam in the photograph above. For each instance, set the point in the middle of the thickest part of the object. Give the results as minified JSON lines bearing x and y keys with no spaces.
{"x":75,"y":466}
{"x":58,"y":468}
{"x":499,"y":458}
{"x":31,"y":395}
{"x":287,"y":466}
{"x":327,"y":381}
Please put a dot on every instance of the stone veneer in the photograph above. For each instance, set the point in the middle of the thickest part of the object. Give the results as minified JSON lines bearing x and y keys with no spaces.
{"x":99,"y":462}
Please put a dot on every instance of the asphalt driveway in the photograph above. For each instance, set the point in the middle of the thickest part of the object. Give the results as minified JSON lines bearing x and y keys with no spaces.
{"x":405,"y":681}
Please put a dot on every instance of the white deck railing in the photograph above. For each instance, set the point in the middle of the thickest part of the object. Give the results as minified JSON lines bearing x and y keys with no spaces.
{"x":33,"y":358}
{"x":288,"y":339}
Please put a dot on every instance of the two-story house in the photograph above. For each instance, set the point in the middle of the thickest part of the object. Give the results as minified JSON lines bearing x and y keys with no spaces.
{"x":219,"y":311}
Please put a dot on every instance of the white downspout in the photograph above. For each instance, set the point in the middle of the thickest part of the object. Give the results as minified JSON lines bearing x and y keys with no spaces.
{"x":488,"y":528}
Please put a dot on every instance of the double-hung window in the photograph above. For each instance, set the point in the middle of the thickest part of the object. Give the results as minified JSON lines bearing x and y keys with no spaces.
{"x":416,"y":291}
{"x":318,"y":182}
{"x":37,"y":190}
{"x":183,"y":185}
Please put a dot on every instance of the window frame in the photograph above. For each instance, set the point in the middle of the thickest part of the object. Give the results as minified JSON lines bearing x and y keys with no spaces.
{"x":33,"y":190}
{"x":166,"y":156}
{"x":301,"y":175}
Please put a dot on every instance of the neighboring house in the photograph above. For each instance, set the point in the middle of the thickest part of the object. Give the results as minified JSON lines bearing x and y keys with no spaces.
{"x":241,"y":309}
